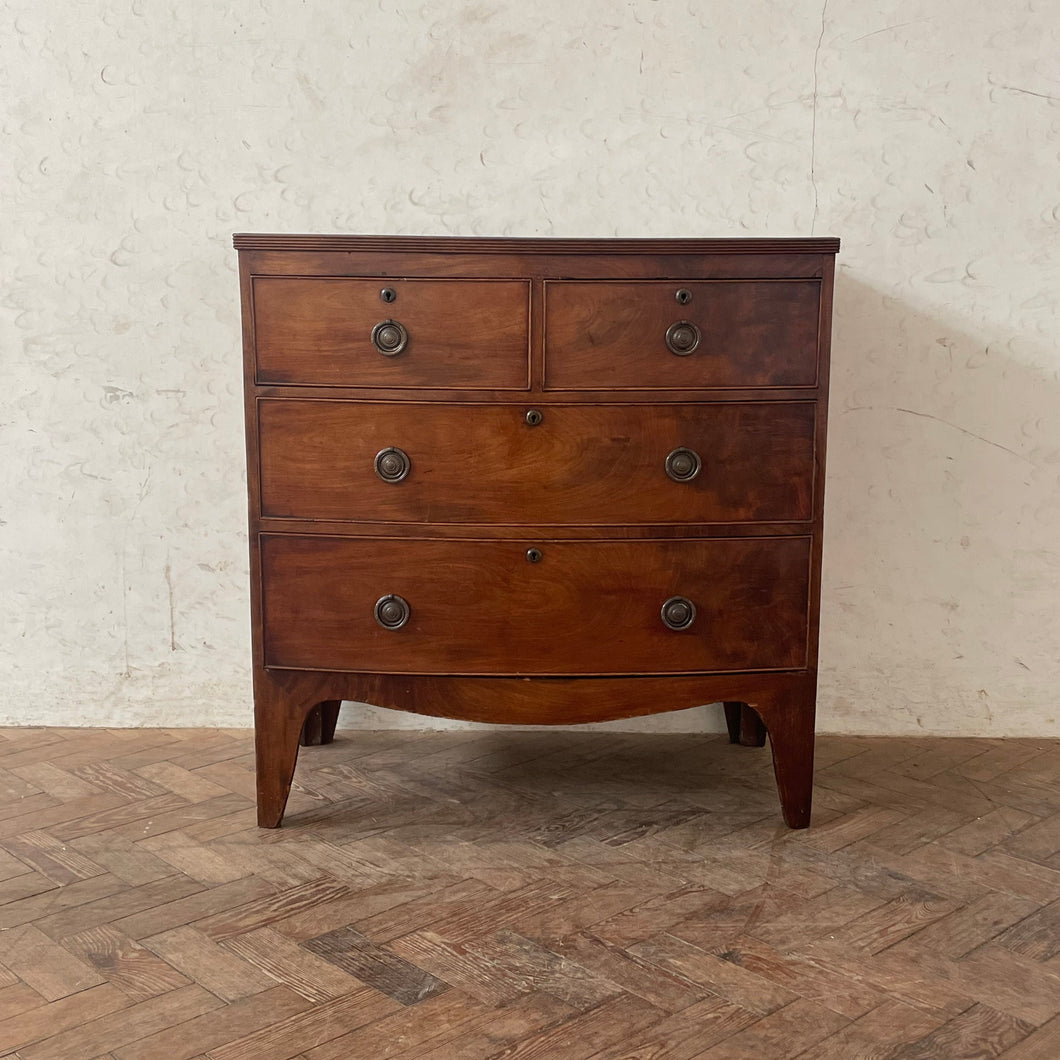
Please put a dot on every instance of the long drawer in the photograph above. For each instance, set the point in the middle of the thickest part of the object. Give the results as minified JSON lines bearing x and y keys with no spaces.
{"x":386,"y":332}
{"x":650,"y":334}
{"x":534,"y":607}
{"x":558,"y":464}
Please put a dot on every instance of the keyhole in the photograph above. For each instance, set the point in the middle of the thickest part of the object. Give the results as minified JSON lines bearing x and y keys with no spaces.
{"x":388,"y":294}
{"x":684,"y":296}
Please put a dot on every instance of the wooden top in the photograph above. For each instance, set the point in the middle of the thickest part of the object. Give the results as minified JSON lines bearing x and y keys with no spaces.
{"x":499,"y":245}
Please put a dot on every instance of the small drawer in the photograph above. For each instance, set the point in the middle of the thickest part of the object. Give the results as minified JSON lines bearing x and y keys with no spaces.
{"x":535,"y":607}
{"x":585,"y":464}
{"x":672,"y":335}
{"x":447,"y":334}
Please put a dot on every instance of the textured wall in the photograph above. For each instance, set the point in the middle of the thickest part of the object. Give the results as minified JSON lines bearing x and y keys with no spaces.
{"x":139,"y":134}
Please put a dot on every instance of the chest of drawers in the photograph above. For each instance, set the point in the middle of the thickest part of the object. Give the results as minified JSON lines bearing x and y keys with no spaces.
{"x":535,"y":482}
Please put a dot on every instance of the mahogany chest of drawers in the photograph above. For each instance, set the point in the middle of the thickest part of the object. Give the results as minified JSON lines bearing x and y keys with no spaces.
{"x":537,"y":482}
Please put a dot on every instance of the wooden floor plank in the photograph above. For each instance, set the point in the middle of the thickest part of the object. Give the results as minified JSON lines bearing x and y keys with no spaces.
{"x":18,"y":998}
{"x":36,"y":1024}
{"x":286,"y":962}
{"x":404,"y":1031}
{"x":39,"y":908}
{"x":683,"y":1036}
{"x":811,"y":979}
{"x":122,"y":858}
{"x":271,"y":907}
{"x":897,"y":920}
{"x":535,"y":968}
{"x":118,"y":904}
{"x":656,"y":913}
{"x":122,"y":815}
{"x":979,"y":1032}
{"x":981,"y":833}
{"x":460,"y":966}
{"x":131,"y":967}
{"x":379,"y":967}
{"x":215,"y":1028}
{"x":106,"y":776}
{"x":36,"y":813}
{"x":51,"y":857}
{"x":307,"y":1030}
{"x":1043,"y":1044}
{"x":200,"y":904}
{"x":423,"y":910}
{"x":208,"y":865}
{"x":588,"y":1032}
{"x":720,"y":977}
{"x":19,"y":815}
{"x":878,"y":1033}
{"x":10,"y":866}
{"x":126,"y":1025}
{"x":180,"y":781}
{"x":186,"y":816}
{"x":491,"y":1033}
{"x":25,"y":885}
{"x":59,"y":783}
{"x":970,"y":926}
{"x":784,"y":1033}
{"x":51,"y":970}
{"x":202,"y":960}
{"x":1037,"y":842}
{"x":612,"y":963}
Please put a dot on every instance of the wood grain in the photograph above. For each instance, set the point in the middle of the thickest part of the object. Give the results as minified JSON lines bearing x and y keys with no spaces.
{"x":481,"y":608}
{"x":378,"y":967}
{"x":51,"y":970}
{"x":584,"y":329}
{"x":544,"y":894}
{"x":608,"y":335}
{"x":460,"y":334}
{"x":132,"y":968}
{"x":606,"y":464}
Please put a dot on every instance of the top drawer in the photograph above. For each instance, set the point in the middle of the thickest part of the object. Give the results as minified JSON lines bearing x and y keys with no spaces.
{"x":672,"y":335}
{"x":452,"y":334}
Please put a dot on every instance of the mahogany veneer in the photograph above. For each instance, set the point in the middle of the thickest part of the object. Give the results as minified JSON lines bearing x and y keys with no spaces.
{"x":535,"y":482}
{"x":596,"y":464}
{"x":587,"y":607}
{"x":606,"y":335}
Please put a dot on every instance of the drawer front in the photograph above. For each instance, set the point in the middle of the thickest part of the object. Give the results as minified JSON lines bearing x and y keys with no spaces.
{"x":742,"y":333}
{"x":584,"y":464}
{"x":481,"y":607}
{"x":454,"y":334}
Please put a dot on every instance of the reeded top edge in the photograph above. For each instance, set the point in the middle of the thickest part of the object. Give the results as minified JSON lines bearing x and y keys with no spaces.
{"x":517,"y":245}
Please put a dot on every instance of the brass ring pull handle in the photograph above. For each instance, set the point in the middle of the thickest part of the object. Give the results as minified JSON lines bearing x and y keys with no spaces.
{"x":389,"y":337}
{"x":392,"y":464}
{"x":682,"y":465}
{"x":392,"y":612}
{"x":682,"y":337}
{"x":678,"y":613}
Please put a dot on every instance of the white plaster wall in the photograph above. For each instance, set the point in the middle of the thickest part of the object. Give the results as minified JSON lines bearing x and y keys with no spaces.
{"x":137,"y":135}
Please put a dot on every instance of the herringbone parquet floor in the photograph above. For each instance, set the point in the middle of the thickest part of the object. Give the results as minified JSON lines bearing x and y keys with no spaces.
{"x":552,"y":895}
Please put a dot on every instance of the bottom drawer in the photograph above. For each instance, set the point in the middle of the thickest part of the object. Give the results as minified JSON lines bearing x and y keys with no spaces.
{"x":583,"y":607}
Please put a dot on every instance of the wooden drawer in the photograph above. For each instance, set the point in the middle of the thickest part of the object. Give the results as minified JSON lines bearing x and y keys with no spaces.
{"x":461,"y":334}
{"x":480,"y":607}
{"x":589,"y":464}
{"x":602,"y":335}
